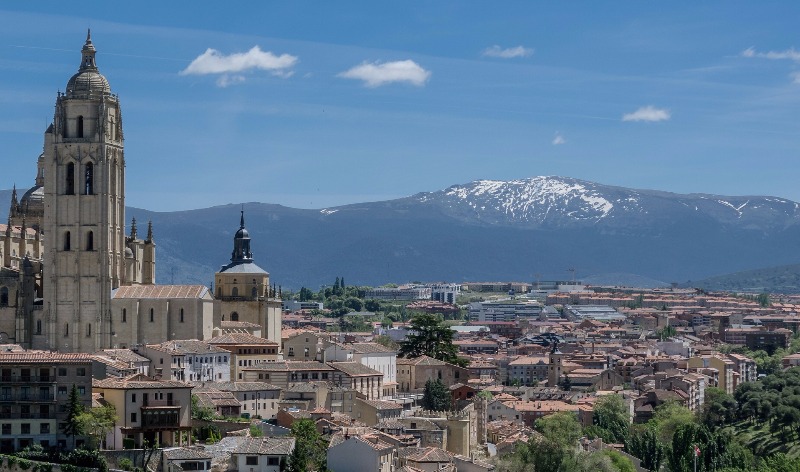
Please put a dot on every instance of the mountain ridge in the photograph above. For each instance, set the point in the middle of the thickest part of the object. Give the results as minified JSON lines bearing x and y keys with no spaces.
{"x":487,"y":229}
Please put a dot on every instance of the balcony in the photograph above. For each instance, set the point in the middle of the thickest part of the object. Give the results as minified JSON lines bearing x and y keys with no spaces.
{"x":27,"y":379}
{"x":157,"y":403}
{"x":161,"y":418}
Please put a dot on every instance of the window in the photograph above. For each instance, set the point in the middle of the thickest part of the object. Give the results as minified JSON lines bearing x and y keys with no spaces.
{"x":80,"y":371}
{"x":67,"y":242}
{"x":273,"y":461}
{"x":80,"y":127}
{"x":25,"y":428}
{"x":133,"y":398}
{"x":181,"y":315}
{"x":254,"y":293}
{"x":234,"y":315}
{"x":151,"y":315}
{"x":66,"y":329}
{"x":90,"y":241}
{"x":124,"y":315}
{"x":81,"y":390}
{"x":235,"y":292}
{"x":62,"y":391}
{"x":38,"y":326}
{"x":133,"y":417}
{"x":88,"y":182}
{"x":251,"y":460}
{"x":44,"y":428}
{"x":4,"y":296}
{"x":6,"y":428}
{"x":70,"y":181}
{"x":62,"y":372}
{"x":88,"y":330}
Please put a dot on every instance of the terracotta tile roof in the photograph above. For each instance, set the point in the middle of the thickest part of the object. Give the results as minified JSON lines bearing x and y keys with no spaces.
{"x":354,"y":369}
{"x":238,"y":386}
{"x":187,"y":346}
{"x":370,"y":348}
{"x":382,"y":404}
{"x":241,"y":338}
{"x":161,"y":291}
{"x":124,"y":355}
{"x":421,"y":360}
{"x":44,"y":357}
{"x":266,"y":446}
{"x":426,"y":454}
{"x":288,"y":366}
{"x":238,"y":324}
{"x":187,"y":453}
{"x":138,"y":382}
{"x":215,"y":398}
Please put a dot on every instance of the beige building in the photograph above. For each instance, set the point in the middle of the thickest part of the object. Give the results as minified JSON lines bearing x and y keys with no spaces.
{"x":148,"y":410}
{"x":246,"y":350}
{"x":413,"y":373}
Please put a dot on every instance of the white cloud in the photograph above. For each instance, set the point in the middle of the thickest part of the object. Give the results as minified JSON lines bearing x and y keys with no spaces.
{"x":508,"y":53}
{"x":648,"y":113}
{"x":791,"y":54}
{"x":559,"y":139}
{"x":214,"y":62}
{"x":377,"y":74}
{"x":795,"y":77}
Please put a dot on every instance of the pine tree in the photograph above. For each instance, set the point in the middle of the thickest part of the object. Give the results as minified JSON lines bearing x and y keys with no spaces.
{"x":73,"y":426}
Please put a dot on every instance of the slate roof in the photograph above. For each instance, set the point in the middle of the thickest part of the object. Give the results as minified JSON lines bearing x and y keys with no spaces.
{"x":160,"y":291}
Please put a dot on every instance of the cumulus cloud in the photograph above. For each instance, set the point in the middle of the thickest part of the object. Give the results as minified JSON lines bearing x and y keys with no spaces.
{"x":507,"y":53}
{"x":559,"y":139}
{"x":791,"y":54}
{"x":377,"y":74}
{"x":648,"y":113}
{"x":230,"y":66}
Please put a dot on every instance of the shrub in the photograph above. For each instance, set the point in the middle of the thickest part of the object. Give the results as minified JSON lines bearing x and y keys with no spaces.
{"x":128,"y":443}
{"x":25,"y":464}
{"x":126,"y":464}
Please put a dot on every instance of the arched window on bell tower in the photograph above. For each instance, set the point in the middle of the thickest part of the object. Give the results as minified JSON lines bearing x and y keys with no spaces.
{"x":80,"y":126}
{"x":90,"y":241}
{"x":67,"y":241}
{"x":88,"y":181}
{"x":70,"y":181}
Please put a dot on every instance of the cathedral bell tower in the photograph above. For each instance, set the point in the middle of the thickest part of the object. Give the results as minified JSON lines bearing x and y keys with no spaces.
{"x":84,"y":182}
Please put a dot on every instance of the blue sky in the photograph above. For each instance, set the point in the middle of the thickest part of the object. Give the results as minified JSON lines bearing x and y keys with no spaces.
{"x":317,"y":104}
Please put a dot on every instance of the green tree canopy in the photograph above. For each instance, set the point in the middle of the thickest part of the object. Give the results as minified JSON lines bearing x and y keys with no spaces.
{"x":72,"y":426}
{"x":429,"y":337}
{"x":436,"y":396}
{"x":98,"y":422}
{"x":310,"y":449}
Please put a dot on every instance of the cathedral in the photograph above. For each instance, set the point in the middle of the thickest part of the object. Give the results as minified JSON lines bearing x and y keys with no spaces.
{"x":71,"y":280}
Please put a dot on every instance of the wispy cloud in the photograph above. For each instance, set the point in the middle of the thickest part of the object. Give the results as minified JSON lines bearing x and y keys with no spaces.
{"x":795,"y":77}
{"x":231,"y":66}
{"x":377,"y":74}
{"x":559,"y":139}
{"x":648,"y":113}
{"x":791,"y":54}
{"x":507,"y":53}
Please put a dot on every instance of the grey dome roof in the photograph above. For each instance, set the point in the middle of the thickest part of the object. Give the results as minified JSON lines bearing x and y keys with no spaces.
{"x":33,"y":200}
{"x":88,"y":82}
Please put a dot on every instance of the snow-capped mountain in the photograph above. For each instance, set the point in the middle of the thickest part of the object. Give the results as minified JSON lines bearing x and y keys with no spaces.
{"x":551,"y":202}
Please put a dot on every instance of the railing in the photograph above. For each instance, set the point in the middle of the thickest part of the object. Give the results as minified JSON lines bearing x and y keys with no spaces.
{"x":151,"y":402}
{"x":27,"y":378}
{"x":26,"y":398}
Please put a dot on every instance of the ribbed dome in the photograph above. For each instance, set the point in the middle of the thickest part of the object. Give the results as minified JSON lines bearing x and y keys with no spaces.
{"x":242,"y":233}
{"x":87,"y":83}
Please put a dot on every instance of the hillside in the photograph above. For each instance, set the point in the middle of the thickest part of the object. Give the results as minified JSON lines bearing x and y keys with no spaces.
{"x":488,"y":230}
{"x":781,"y":279}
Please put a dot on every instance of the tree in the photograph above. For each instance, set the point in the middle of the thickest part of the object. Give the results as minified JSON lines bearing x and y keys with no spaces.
{"x":611,"y":419}
{"x":667,"y":418}
{"x":566,"y":384}
{"x":644,"y":444}
{"x":372,"y":305}
{"x":72,"y":426}
{"x":430,"y":338}
{"x":310,"y":449}
{"x":203,"y":413}
{"x":561,"y":428}
{"x":98,"y":422}
{"x":436,"y":396}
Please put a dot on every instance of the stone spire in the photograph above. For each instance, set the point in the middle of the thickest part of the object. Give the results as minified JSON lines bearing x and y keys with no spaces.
{"x":134,"y":235}
{"x":14,"y":205}
{"x":149,"y":239}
